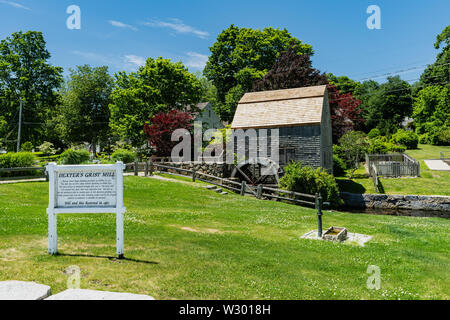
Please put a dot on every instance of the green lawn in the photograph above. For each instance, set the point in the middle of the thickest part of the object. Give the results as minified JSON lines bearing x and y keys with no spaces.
{"x":185,"y":242}
{"x":429,"y":182}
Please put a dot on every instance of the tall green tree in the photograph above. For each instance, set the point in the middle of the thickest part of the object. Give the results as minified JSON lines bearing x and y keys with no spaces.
{"x":438,"y":73}
{"x":432,"y":113}
{"x":343,"y":83}
{"x":85,"y":108}
{"x":26,"y":74}
{"x":242,"y":55}
{"x":385,"y":106}
{"x":159,"y":85}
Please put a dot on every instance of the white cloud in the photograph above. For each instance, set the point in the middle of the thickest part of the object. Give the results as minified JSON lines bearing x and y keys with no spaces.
{"x":122,"y":25}
{"x":135,"y":60}
{"x":196,"y":60}
{"x":14,"y":4}
{"x":178,"y":26}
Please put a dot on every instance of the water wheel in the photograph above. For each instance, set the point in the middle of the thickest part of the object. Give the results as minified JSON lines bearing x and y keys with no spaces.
{"x":257,"y":171}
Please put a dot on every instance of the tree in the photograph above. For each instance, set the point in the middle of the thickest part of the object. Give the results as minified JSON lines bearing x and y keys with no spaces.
{"x":343,"y":83}
{"x":431,"y":113}
{"x":241,"y":55}
{"x":345,"y":112}
{"x":85,"y":109}
{"x":293,"y":71}
{"x":159,"y":133}
{"x":355,"y":144}
{"x":159,"y":86}
{"x":438,"y":73}
{"x":385,"y":106}
{"x":26,"y":74}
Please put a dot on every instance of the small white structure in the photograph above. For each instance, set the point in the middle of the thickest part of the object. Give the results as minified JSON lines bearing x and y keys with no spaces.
{"x":85,"y":189}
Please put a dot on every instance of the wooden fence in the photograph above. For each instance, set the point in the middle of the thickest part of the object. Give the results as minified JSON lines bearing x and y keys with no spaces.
{"x":242,"y":188}
{"x":23,"y":171}
{"x":393,"y":165}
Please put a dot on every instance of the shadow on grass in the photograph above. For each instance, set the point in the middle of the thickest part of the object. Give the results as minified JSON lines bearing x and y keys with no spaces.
{"x":111,"y":258}
{"x":347,"y":185}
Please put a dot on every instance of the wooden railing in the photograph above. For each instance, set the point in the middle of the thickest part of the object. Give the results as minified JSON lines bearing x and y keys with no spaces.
{"x":393,"y":165}
{"x":24,"y":170}
{"x":242,"y":188}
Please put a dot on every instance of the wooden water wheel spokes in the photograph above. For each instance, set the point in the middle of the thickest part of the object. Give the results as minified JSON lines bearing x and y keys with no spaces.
{"x":257,"y":170}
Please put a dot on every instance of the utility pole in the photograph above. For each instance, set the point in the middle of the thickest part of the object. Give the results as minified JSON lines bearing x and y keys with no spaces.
{"x":20,"y":126}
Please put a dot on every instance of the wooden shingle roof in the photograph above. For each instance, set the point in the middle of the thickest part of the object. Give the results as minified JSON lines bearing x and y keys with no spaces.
{"x":280,"y":108}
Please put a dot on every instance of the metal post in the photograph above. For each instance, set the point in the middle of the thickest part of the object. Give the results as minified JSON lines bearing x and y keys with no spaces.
{"x":243,"y":186}
{"x":20,"y":126}
{"x":319,"y":214}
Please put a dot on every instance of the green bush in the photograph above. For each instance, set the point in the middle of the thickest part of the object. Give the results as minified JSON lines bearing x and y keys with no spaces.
{"x":378,"y":145}
{"x":126,"y":156}
{"x":71,"y":156}
{"x":374,"y":133}
{"x":409,"y":139}
{"x":26,"y":147}
{"x":436,"y":136}
{"x":443,"y":137}
{"x":339,"y":166}
{"x":17,"y":160}
{"x":308,"y":180}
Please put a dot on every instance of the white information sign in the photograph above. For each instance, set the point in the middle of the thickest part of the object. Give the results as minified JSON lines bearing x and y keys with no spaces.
{"x":85,"y":189}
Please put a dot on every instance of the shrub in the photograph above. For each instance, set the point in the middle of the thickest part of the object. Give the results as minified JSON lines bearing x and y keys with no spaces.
{"x":339,"y":166}
{"x":378,"y":145}
{"x":424,"y":139}
{"x":17,"y":160}
{"x":443,"y":137}
{"x":308,"y":180}
{"x":47,"y":148}
{"x":437,"y":137}
{"x":126,"y":156}
{"x":71,"y":156}
{"x":395,"y":147}
{"x":407,"y":138}
{"x":26,"y":147}
{"x":374,"y":133}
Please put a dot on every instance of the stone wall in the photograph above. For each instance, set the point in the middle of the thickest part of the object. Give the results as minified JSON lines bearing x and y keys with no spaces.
{"x":221,"y":170}
{"x":384,"y":201}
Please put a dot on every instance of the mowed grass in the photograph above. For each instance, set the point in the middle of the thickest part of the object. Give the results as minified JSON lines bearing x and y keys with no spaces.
{"x":429,"y":183}
{"x":185,"y":242}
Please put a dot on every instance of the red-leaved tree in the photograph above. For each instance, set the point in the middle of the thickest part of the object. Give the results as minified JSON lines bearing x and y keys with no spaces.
{"x":162,"y":125}
{"x":345,"y":112}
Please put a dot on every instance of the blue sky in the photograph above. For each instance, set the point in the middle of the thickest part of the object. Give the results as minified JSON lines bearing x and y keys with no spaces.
{"x":121,"y":34}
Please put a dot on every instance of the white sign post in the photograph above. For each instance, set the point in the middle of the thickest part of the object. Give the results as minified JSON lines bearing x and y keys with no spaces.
{"x":85,"y":189}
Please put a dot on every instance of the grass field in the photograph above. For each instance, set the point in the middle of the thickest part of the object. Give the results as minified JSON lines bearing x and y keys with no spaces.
{"x":185,"y":242}
{"x":429,"y":182}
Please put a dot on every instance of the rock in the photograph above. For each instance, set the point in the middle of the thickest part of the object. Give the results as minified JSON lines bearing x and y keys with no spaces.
{"x":211,"y":187}
{"x":83,"y":294}
{"x":224,"y":193}
{"x":23,"y":290}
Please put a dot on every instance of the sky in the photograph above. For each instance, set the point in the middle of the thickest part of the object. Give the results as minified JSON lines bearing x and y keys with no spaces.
{"x":122,"y":34}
